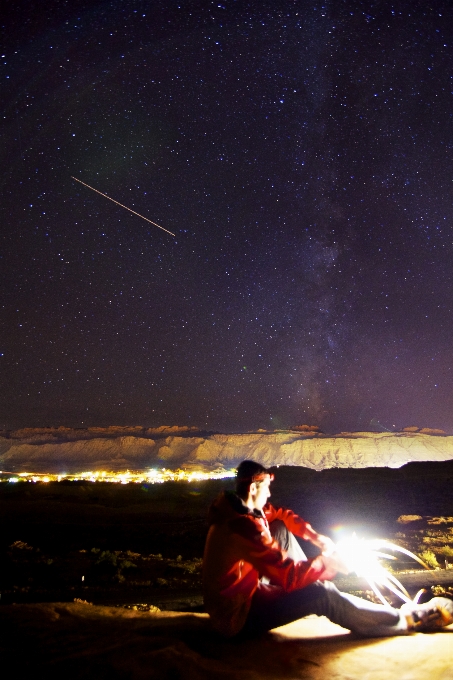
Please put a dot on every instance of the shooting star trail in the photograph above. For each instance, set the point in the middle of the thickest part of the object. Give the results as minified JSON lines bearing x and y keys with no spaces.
{"x":123,"y":206}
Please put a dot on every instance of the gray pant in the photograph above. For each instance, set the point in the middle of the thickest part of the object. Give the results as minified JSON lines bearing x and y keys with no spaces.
{"x":276,"y":608}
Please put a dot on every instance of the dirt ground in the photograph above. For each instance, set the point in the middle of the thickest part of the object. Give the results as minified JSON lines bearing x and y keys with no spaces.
{"x":81,"y":641}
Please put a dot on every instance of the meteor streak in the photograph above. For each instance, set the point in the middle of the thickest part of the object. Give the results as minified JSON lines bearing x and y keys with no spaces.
{"x":123,"y":206}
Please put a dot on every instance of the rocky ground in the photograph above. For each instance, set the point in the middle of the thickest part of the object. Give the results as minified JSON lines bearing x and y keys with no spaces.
{"x":79,"y":641}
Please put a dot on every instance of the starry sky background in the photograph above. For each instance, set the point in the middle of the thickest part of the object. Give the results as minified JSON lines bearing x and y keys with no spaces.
{"x":301,"y":152}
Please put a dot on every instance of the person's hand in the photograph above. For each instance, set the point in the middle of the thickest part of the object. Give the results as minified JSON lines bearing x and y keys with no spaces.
{"x":325,"y":544}
{"x":334,"y":561}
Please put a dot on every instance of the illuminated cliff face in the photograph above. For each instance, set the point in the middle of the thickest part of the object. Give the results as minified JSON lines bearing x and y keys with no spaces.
{"x":156,"y":455}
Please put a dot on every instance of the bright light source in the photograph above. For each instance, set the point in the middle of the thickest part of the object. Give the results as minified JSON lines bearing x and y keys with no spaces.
{"x":362,"y":556}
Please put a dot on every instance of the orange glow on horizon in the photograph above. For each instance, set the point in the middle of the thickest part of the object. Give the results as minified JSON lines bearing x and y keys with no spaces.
{"x":151,"y":476}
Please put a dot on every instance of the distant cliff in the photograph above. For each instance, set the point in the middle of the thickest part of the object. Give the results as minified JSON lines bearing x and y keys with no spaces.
{"x":58,"y":450}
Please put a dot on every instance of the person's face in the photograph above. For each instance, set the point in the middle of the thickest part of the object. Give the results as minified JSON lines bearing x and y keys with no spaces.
{"x":260,"y":493}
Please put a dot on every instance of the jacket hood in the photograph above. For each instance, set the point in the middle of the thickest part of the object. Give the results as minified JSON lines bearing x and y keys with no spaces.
{"x":225,"y":507}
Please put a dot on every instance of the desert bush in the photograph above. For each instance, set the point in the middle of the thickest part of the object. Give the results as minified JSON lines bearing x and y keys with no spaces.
{"x":429,"y":558}
{"x":110,"y":564}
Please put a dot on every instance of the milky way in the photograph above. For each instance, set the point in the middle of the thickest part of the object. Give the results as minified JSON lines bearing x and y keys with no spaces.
{"x":302,"y":155}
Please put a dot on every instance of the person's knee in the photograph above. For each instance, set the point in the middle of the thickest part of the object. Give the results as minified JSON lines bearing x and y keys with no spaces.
{"x":286,"y":540}
{"x":329,"y":592}
{"x":330,"y":588}
{"x":280,"y":533}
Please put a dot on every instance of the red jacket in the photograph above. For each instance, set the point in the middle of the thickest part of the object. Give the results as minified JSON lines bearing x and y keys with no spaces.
{"x":239,"y":550}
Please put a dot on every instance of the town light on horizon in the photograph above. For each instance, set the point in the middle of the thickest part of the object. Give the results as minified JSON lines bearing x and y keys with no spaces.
{"x":150,"y":476}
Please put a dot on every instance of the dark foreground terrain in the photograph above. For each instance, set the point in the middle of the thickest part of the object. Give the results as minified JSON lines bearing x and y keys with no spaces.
{"x":65,"y":546}
{"x":142,"y":545}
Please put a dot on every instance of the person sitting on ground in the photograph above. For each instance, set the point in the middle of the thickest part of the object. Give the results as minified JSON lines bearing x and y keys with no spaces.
{"x":256,"y":576}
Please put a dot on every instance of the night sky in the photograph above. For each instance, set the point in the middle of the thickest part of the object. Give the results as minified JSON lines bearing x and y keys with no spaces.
{"x":302,"y":154}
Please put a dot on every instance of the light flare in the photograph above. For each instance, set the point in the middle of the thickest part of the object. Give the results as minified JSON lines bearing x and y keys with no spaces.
{"x":362,"y":557}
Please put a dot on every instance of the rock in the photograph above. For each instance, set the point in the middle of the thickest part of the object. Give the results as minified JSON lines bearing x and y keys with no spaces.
{"x":72,"y":451}
{"x":77,"y":640}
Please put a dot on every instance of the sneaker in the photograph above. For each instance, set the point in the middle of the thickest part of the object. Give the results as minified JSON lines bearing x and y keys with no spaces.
{"x":430,"y":616}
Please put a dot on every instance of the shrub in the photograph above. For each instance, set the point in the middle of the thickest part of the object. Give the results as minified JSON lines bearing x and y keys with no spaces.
{"x":429,"y":557}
